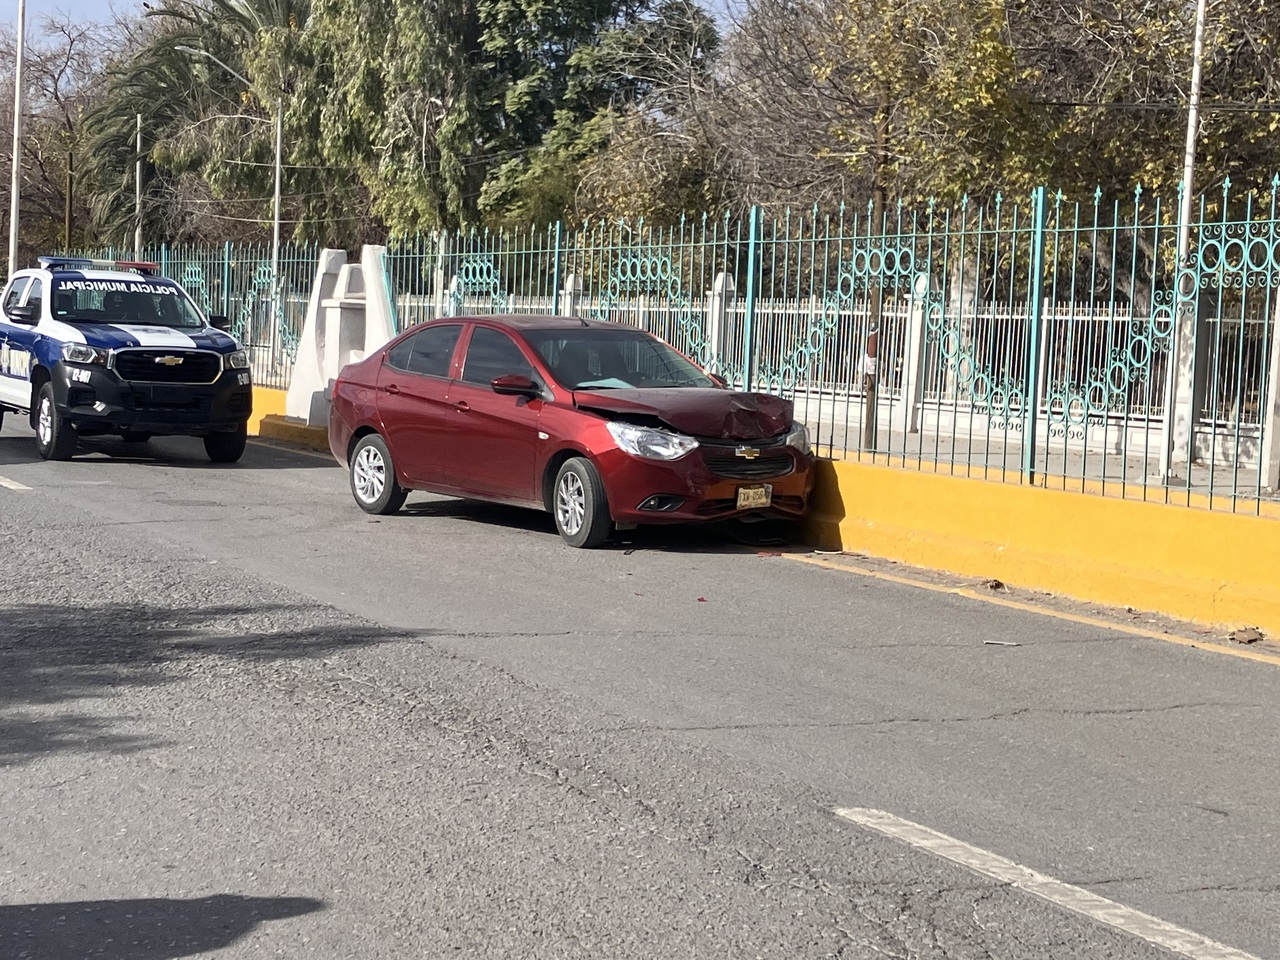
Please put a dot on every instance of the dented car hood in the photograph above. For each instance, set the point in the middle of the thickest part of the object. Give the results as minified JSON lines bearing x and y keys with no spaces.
{"x":698,"y":411}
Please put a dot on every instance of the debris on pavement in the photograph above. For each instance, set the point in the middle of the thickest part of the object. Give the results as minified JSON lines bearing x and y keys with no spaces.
{"x":1246,"y":635}
{"x":1001,"y":643}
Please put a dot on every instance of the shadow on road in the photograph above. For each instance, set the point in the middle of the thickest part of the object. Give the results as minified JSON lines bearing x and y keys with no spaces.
{"x":155,"y":929}
{"x":52,"y":654}
{"x":185,"y":453}
{"x":669,"y":538}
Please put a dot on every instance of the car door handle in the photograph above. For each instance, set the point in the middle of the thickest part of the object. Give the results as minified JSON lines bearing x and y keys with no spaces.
{"x":462,"y":406}
{"x":392,"y":388}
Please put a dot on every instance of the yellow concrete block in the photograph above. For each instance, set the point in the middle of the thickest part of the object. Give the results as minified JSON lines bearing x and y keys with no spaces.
{"x":1196,"y":564}
{"x":267,"y":402}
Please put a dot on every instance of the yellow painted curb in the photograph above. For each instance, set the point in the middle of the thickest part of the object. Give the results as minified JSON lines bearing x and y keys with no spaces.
{"x":1210,"y":567}
{"x":295,"y":432}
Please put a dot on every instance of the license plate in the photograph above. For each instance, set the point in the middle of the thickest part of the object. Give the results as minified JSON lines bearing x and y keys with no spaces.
{"x":760,"y":496}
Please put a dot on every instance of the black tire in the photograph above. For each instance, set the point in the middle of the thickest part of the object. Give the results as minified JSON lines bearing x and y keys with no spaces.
{"x":580,"y":506}
{"x":55,"y":437}
{"x":133,"y":436}
{"x":373,"y":477}
{"x":227,"y":447}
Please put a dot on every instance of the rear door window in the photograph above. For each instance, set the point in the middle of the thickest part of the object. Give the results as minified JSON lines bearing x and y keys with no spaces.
{"x":428,"y":353}
{"x":432,"y":354}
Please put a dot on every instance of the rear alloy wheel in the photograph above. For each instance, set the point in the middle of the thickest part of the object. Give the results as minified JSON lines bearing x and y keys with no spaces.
{"x":580,"y":506}
{"x":373,"y":477}
{"x":55,"y":437}
{"x":227,"y":447}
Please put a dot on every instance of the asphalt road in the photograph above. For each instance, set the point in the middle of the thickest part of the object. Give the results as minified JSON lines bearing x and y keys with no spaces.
{"x":240,"y":718}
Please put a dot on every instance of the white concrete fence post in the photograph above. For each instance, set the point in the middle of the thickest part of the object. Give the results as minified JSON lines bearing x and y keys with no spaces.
{"x":1269,"y":455}
{"x":570,"y":295}
{"x":442,"y":300}
{"x":724,"y":295}
{"x":913,"y":348}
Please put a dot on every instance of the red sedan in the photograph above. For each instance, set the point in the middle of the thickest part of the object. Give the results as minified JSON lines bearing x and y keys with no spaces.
{"x":602,"y":425}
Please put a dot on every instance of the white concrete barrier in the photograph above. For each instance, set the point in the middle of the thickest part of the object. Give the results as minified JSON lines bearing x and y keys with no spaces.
{"x":348,"y":317}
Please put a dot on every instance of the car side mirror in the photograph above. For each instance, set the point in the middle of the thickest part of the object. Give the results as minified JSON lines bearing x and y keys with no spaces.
{"x":515,"y":385}
{"x":220,"y":323}
{"x":718,"y":380}
{"x":27,"y":313}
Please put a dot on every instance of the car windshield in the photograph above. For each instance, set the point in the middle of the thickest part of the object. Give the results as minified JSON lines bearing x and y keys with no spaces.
{"x":146,"y":300}
{"x":613,"y":359}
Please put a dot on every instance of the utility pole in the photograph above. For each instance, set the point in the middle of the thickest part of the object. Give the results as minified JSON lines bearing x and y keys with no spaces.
{"x":16,"y":181}
{"x":67,"y":223}
{"x":137,"y":197}
{"x":1186,"y":319}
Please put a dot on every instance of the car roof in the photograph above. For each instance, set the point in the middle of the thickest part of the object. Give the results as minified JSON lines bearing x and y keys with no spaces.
{"x":530,"y":321}
{"x":119,"y":276}
{"x":124,"y":276}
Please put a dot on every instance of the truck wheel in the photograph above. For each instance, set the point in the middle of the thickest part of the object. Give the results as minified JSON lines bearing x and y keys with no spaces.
{"x":55,"y":437}
{"x":227,"y":447}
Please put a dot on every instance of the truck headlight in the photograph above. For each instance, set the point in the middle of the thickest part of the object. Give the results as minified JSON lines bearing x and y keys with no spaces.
{"x":83,"y":353}
{"x":236,"y":361}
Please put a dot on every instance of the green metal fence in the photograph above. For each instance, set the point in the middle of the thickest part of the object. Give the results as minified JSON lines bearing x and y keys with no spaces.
{"x":1044,"y":339}
{"x":235,"y":281}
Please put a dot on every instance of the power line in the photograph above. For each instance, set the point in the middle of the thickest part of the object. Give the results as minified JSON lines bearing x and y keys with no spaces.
{"x":262,"y":220}
{"x":1163,"y":107}
{"x":296,"y":196}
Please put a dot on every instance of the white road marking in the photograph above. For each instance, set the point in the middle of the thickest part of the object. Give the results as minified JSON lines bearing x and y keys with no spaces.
{"x":1187,"y":943}
{"x":12,"y":484}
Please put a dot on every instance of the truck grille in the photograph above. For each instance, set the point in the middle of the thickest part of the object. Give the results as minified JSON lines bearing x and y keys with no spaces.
{"x":158,"y":366}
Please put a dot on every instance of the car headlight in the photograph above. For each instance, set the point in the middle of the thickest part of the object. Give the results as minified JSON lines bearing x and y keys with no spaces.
{"x":650,"y":443}
{"x":237,"y":361}
{"x":83,"y":353}
{"x":798,"y":438}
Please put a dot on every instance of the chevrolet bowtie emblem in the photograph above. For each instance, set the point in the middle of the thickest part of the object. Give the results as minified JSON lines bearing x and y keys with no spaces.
{"x":169,"y":361}
{"x":747,"y":453}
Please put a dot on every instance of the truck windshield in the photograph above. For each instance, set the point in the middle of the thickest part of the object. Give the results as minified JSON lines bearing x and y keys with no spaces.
{"x":147,"y":301}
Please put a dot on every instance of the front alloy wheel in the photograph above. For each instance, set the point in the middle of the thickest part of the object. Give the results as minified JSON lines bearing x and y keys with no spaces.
{"x":55,"y":437}
{"x":580,"y":506}
{"x":373,"y":477}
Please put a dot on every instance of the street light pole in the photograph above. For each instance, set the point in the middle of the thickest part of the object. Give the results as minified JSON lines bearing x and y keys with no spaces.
{"x":16,"y":179}
{"x":275,"y":241}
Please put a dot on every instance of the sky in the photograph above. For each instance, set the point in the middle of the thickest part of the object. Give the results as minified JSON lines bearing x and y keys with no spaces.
{"x":84,"y":9}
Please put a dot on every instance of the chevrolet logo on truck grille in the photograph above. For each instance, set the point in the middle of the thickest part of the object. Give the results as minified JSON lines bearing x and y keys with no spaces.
{"x":747,"y":453}
{"x":169,"y":361}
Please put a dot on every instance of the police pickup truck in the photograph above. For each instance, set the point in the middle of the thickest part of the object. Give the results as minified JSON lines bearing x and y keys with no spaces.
{"x":94,"y":347}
